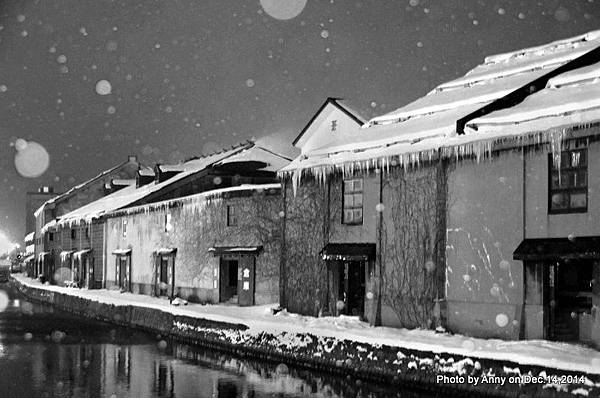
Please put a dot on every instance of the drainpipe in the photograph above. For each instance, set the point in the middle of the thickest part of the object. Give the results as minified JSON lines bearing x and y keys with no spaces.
{"x":524,"y":232}
{"x":104,"y":257}
{"x":377,"y":321}
{"x":282,"y":301}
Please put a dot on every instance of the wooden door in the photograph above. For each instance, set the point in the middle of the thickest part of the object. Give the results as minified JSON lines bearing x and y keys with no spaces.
{"x":246,"y":280}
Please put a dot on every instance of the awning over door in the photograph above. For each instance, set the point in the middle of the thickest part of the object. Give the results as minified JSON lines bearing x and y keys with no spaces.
{"x":583,"y":247}
{"x":80,"y":253}
{"x":163,"y":251}
{"x":222,"y":250}
{"x":349,"y":251}
{"x":121,"y":252}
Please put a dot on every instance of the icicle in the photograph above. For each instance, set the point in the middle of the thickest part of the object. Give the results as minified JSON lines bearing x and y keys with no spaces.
{"x":556,"y":142}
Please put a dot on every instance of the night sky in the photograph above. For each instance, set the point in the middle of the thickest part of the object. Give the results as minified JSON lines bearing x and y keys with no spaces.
{"x":192,"y":76}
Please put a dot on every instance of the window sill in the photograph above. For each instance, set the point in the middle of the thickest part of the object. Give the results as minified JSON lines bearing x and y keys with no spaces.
{"x":567,"y":211}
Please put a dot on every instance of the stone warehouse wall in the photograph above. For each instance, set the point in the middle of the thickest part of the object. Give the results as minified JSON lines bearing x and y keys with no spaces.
{"x":485,"y":226}
{"x":403,"y":214}
{"x":194,"y":229}
{"x":304,"y":273}
{"x":412,"y":246}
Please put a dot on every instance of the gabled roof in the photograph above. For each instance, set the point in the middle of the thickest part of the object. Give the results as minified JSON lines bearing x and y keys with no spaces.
{"x":130,"y":195}
{"x":79,"y":187}
{"x":337,"y":102}
{"x":269,"y":160}
{"x":427,"y":127}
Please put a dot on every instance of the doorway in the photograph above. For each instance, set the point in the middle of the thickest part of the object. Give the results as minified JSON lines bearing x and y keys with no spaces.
{"x":228,"y":278}
{"x":123,"y":269}
{"x":163,"y":276}
{"x":569,"y":299}
{"x":351,"y":287}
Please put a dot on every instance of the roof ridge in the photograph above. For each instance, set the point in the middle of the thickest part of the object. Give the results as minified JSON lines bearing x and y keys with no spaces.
{"x":219,"y":151}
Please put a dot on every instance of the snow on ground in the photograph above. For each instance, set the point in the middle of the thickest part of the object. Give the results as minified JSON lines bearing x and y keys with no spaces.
{"x":564,"y":356}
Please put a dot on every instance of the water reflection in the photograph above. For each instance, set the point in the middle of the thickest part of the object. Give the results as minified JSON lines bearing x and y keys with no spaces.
{"x":94,"y":359}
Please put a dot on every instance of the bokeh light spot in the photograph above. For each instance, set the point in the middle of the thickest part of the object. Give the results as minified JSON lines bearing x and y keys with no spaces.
{"x":283,"y":9}
{"x":32,"y":160}
{"x":103,"y":87}
{"x":501,"y":320}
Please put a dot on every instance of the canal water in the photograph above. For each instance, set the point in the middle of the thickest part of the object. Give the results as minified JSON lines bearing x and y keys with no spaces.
{"x":48,"y":353}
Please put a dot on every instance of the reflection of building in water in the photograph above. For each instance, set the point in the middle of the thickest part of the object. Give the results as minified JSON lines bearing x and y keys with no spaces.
{"x":123,"y":365}
{"x":164,"y":383}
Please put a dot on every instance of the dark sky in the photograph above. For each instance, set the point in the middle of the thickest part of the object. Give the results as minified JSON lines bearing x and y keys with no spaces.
{"x":191,"y":76}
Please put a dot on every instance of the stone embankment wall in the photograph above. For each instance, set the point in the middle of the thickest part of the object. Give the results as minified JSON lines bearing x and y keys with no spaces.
{"x":404,"y":367}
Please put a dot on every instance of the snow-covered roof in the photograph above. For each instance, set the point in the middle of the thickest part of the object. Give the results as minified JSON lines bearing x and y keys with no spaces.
{"x":273,"y":161}
{"x":166,"y":250}
{"x":29,"y":237}
{"x":79,"y":253}
{"x":146,"y":171}
{"x":132,"y":194}
{"x":122,"y":181}
{"x":417,"y":131}
{"x":199,"y":199}
{"x":80,"y":186}
{"x":122,"y":251}
{"x":170,"y":167}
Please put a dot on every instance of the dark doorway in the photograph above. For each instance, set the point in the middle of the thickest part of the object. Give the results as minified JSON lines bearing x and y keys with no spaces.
{"x":163,"y":276}
{"x":123,"y":272}
{"x":228,"y":271}
{"x":570,"y":299}
{"x":351,"y":287}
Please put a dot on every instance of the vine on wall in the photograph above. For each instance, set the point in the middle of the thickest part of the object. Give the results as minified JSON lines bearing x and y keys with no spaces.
{"x":305,"y":279}
{"x":412,"y":247}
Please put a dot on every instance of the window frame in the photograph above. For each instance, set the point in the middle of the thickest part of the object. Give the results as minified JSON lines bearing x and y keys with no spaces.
{"x":569,"y":190}
{"x":353,"y":208}
{"x":232,"y":219}
{"x":168,"y":226}
{"x":73,"y":233}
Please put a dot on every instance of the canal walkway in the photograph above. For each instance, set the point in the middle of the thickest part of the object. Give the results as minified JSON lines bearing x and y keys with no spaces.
{"x":346,"y":345}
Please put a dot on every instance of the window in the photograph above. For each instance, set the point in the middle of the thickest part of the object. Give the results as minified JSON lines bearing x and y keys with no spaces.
{"x":87,"y":231}
{"x":231,"y":216}
{"x":568,"y":183}
{"x":168,"y":225}
{"x":124,"y":224}
{"x":50,"y":237}
{"x":353,"y":201}
{"x":333,"y":125}
{"x":73,"y":233}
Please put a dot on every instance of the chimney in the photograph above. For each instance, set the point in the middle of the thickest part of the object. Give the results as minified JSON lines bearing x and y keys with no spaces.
{"x":132,"y":159}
